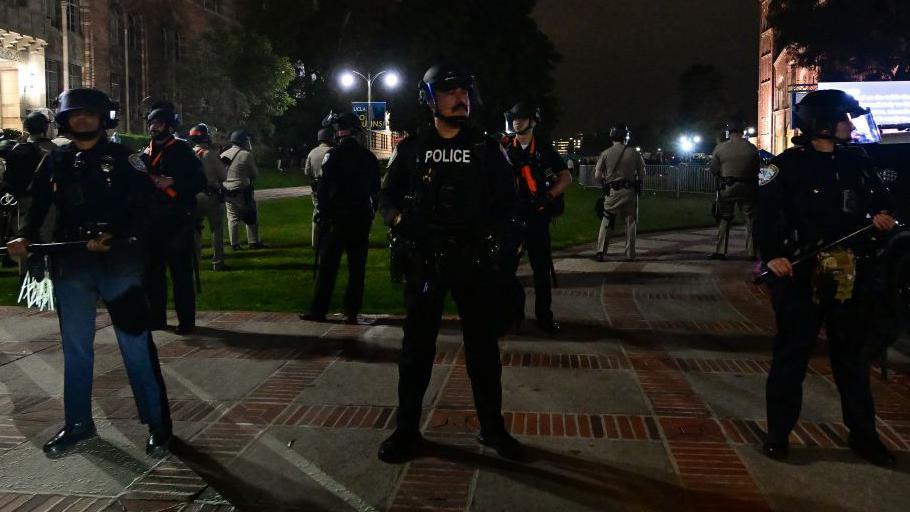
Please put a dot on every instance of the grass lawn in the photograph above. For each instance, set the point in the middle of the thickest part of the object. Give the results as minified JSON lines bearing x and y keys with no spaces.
{"x":280,"y":278}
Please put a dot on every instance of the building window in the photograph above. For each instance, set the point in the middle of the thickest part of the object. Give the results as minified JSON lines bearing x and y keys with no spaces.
{"x":116,"y":84}
{"x":75,"y":76}
{"x":52,"y":79}
{"x":52,"y":12}
{"x":73,"y":16}
{"x":115,"y":28}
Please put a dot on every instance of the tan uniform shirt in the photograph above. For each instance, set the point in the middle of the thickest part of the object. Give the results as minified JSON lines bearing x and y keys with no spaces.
{"x":735,"y":158}
{"x":314,"y":160}
{"x":610,"y":168}
{"x":242,"y":170}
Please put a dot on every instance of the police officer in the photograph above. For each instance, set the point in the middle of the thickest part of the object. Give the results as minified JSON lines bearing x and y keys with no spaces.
{"x":96,"y":187}
{"x":22,"y":161}
{"x":210,"y":202}
{"x":735,"y":164}
{"x":449,"y":191}
{"x":812,"y":195}
{"x":177,"y":174}
{"x":313,"y":169}
{"x":542,"y":177}
{"x":238,"y":189}
{"x":621,"y":169}
{"x":347,"y":204}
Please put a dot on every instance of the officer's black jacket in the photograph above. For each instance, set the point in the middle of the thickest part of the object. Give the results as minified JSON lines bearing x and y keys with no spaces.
{"x":349,"y":184}
{"x":106,"y":189}
{"x":21,"y":163}
{"x":545,"y":159}
{"x":429,"y":182}
{"x":814,"y":198}
{"x":181,"y":163}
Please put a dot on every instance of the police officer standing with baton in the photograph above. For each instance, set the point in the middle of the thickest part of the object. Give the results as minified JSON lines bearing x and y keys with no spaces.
{"x":810,"y":196}
{"x":97,"y":188}
{"x":449,"y":191}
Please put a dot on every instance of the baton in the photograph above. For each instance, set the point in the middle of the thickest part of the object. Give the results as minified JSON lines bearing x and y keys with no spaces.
{"x":806,"y":257}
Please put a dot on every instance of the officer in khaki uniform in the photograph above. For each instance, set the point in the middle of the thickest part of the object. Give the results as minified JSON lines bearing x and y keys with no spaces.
{"x":621,"y":169}
{"x":735,"y":164}
{"x":210,"y":202}
{"x":313,"y":169}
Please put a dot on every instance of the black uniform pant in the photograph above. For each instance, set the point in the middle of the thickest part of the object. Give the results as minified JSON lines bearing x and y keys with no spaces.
{"x":798,"y":324}
{"x":475,"y":295}
{"x":172,"y":250}
{"x":535,"y":236}
{"x":352,"y":238}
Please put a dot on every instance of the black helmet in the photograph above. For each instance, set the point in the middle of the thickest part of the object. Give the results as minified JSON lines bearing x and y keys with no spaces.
{"x":819,"y":112}
{"x":240,"y":137}
{"x":36,"y":123}
{"x":523,"y":110}
{"x":164,"y":111}
{"x":200,"y":134}
{"x":343,"y":123}
{"x":736,"y":125}
{"x":620,"y":133}
{"x":325,"y":135}
{"x":446,"y":77}
{"x":85,"y":99}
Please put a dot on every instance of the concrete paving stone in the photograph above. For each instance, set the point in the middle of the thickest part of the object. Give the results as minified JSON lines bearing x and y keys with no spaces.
{"x":102,"y":466}
{"x":306,"y":473}
{"x":41,"y":374}
{"x":215,"y":379}
{"x":555,"y":390}
{"x":575,"y":475}
{"x":678,"y":237}
{"x":743,"y":396}
{"x":584,"y":265}
{"x":816,"y":479}
{"x":28,"y":328}
{"x":355,"y":383}
{"x":527,"y":344}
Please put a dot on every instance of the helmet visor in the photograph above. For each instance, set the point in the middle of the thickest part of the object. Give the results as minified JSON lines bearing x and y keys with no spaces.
{"x":865,"y":129}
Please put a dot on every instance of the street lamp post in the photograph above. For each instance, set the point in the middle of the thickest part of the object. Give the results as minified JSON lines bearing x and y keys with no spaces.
{"x":347,"y":81}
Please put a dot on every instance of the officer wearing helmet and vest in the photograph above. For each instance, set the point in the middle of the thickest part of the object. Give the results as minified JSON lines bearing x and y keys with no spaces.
{"x":735,"y":164}
{"x":238,"y":190}
{"x":347,"y":196}
{"x":812,"y":195}
{"x":621,"y":169}
{"x":98,"y":188}
{"x":210,"y":202}
{"x":313,"y":168}
{"x":177,"y":174}
{"x":21,"y":163}
{"x":542,"y":177}
{"x":449,"y":194}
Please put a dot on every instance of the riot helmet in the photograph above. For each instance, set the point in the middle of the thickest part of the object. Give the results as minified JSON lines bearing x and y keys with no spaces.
{"x":85,"y":99}
{"x":241,"y":138}
{"x":165,"y":112}
{"x":36,"y":123}
{"x":325,"y":135}
{"x":344,"y":124}
{"x":620,"y":133}
{"x":819,"y":112}
{"x":448,"y":76}
{"x":199,"y":134}
{"x":522,"y":110}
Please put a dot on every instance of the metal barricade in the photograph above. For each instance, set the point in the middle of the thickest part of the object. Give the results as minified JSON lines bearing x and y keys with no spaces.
{"x":677,"y":179}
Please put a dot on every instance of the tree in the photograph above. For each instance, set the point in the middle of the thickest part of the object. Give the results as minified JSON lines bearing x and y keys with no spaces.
{"x":703,"y":105}
{"x":845,"y":39}
{"x":232,"y":78}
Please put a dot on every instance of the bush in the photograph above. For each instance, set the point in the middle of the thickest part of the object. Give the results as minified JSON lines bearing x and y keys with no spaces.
{"x":134,"y":141}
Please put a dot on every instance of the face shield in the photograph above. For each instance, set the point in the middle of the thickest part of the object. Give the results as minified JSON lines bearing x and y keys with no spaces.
{"x":865,"y":129}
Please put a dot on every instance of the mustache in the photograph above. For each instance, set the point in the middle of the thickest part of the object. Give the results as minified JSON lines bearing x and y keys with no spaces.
{"x":460,"y":106}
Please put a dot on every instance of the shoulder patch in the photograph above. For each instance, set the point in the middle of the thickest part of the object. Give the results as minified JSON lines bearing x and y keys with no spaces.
{"x":325,"y":158}
{"x":767,"y":174}
{"x":136,"y":161}
{"x":393,"y":157}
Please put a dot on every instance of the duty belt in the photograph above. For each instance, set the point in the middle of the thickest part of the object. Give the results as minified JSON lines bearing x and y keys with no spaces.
{"x":728,"y":181}
{"x":621,"y":184}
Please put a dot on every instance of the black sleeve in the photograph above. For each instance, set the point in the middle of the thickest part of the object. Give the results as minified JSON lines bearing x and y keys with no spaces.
{"x":139,"y":205}
{"x":375,"y":179}
{"x":554,"y":161}
{"x":42,"y":193}
{"x":397,"y":181}
{"x":189,"y":179}
{"x":770,"y":218}
{"x":879,"y":198}
{"x":502,"y":185}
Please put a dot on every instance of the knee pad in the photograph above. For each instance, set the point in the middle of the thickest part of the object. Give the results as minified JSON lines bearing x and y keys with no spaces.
{"x":130,"y":312}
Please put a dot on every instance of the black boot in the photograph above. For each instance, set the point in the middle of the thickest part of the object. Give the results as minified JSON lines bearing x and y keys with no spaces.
{"x":872,"y":450}
{"x":400,"y":447}
{"x":549,"y":326}
{"x":159,"y":443}
{"x":775,"y":450}
{"x":505,"y":445}
{"x":68,"y":437}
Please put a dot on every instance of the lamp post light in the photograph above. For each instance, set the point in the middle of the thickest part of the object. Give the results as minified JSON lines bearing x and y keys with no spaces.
{"x":750,"y":131}
{"x":391,"y":81}
{"x":687,"y":143}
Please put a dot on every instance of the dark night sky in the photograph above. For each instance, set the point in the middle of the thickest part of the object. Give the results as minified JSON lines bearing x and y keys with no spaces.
{"x":622,"y":58}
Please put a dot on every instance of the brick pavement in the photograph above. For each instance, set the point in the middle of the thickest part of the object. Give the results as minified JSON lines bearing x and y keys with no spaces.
{"x":651,"y":399}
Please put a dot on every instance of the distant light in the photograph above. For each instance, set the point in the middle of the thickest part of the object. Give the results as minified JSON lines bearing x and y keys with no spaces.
{"x":391,"y":79}
{"x":751,"y":130}
{"x":696,"y":139}
{"x":637,"y":148}
{"x":347,"y":80}
{"x":659,"y":149}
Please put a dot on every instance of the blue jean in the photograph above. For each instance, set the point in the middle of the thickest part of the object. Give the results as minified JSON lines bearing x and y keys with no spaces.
{"x":84,"y":279}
